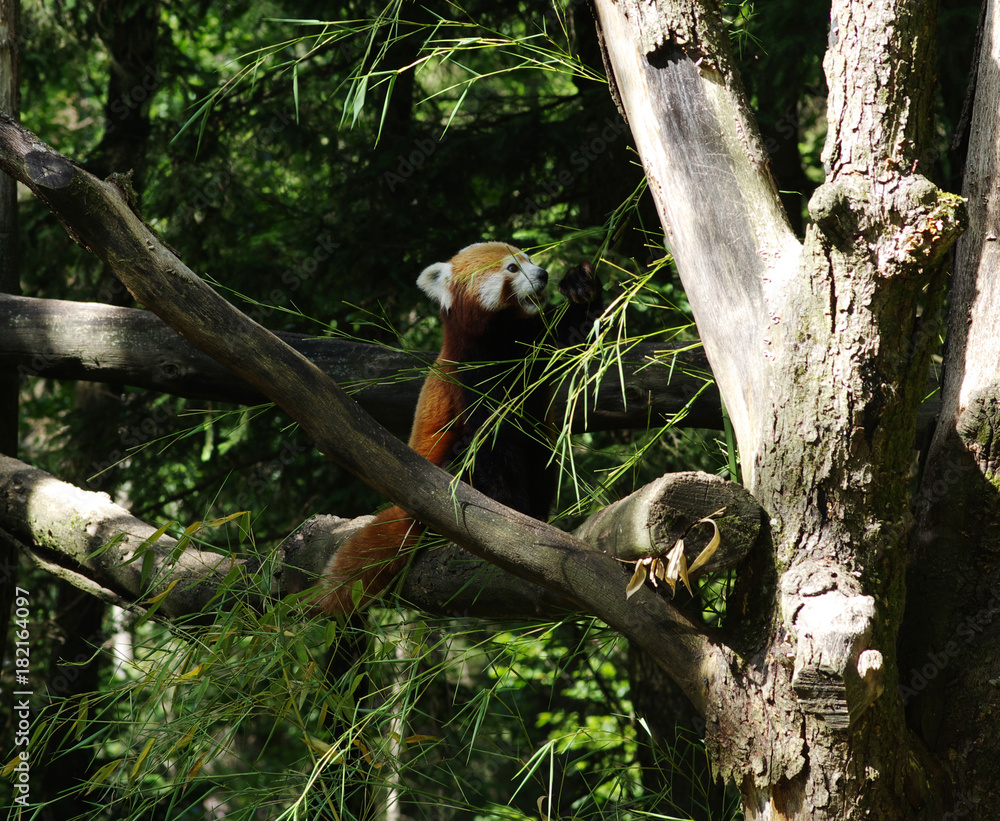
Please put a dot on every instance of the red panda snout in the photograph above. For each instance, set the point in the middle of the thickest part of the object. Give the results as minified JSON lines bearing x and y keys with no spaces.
{"x":524,"y":283}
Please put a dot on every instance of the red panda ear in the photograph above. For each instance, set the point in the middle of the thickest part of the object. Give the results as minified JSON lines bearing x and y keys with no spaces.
{"x":434,"y":281}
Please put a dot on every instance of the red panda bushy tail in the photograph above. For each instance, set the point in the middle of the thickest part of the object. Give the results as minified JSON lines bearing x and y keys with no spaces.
{"x":373,"y":557}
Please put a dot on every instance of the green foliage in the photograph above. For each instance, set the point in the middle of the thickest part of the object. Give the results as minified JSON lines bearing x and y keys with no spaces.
{"x":449,"y":719}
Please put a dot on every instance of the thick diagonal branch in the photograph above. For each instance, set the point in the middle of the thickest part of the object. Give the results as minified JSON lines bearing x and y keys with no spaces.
{"x":98,"y":215}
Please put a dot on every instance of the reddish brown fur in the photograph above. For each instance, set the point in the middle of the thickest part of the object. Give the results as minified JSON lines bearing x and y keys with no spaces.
{"x":373,"y":557}
{"x":488,"y":323}
{"x":440,"y":402}
{"x":380,"y":550}
{"x":377,"y":553}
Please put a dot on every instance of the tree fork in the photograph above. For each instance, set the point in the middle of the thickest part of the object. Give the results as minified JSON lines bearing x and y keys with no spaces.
{"x":820,"y":352}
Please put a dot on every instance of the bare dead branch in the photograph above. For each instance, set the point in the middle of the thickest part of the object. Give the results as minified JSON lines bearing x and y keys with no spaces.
{"x":97,"y":546}
{"x":709,"y":175}
{"x":446,"y":579}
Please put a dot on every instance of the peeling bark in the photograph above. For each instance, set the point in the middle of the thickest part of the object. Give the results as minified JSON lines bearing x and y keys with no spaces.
{"x":708,"y":174}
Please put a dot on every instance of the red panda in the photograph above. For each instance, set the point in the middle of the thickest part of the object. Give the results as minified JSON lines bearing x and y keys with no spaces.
{"x":490,"y":295}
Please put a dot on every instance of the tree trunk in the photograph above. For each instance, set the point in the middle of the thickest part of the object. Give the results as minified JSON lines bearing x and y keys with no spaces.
{"x":950,"y":648}
{"x":10,"y":282}
{"x":820,"y":351}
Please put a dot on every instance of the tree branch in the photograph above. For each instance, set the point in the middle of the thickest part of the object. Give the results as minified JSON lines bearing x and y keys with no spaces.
{"x":648,"y":523}
{"x":87,"y":539}
{"x":89,"y":341}
{"x":709,"y":176}
{"x":97,"y":546}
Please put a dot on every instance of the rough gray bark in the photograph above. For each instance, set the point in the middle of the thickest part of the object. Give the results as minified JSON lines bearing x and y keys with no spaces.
{"x":820,"y":350}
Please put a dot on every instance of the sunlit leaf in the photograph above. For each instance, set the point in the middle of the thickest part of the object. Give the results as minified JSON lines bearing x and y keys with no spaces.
{"x":141,"y":759}
{"x":711,"y":547}
{"x":102,"y":775}
{"x":637,"y":580}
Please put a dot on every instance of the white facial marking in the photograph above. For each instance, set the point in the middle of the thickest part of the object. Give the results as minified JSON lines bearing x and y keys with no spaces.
{"x":529,"y":284}
{"x":434,"y":281}
{"x":490,"y":286}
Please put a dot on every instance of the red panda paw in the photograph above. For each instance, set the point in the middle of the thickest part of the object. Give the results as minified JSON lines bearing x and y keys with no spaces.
{"x":580,"y":284}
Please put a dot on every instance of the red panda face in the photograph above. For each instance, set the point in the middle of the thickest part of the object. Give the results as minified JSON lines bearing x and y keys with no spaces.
{"x":496,"y":275}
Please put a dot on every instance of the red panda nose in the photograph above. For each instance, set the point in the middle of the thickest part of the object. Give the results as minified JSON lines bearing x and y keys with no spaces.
{"x":543,"y":277}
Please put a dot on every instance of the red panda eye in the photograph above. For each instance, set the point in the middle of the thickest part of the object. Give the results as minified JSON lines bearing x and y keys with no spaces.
{"x":512,"y":268}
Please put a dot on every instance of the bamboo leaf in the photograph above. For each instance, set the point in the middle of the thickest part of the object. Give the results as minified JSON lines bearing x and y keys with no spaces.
{"x":417,"y":739}
{"x":165,"y":593}
{"x":226,"y":519}
{"x":116,"y":540}
{"x":102,"y":775}
{"x":141,"y":759}
{"x":196,"y":767}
